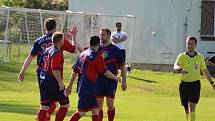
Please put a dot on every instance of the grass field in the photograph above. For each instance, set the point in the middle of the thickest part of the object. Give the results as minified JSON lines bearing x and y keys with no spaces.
{"x":151,"y":96}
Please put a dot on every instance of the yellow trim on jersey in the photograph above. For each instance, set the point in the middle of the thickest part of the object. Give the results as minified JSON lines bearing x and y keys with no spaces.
{"x":191,"y":64}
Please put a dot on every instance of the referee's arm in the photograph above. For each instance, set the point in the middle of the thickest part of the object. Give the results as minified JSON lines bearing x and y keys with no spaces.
{"x":178,"y":69}
{"x":208,"y":77}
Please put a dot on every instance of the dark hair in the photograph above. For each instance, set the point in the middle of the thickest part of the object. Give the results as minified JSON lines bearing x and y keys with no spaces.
{"x":50,"y":24}
{"x":57,"y":37}
{"x":118,"y":24}
{"x":192,"y":38}
{"x":107,"y":31}
{"x":94,"y":41}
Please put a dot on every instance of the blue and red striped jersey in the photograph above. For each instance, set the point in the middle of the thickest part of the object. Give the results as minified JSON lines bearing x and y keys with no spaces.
{"x":44,"y":42}
{"x":113,"y":57}
{"x":41,"y":44}
{"x":88,"y":66}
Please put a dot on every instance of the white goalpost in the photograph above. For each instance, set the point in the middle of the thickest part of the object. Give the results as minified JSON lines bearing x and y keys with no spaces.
{"x":22,"y":26}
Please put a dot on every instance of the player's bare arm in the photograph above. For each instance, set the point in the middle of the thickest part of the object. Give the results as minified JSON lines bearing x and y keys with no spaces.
{"x":68,"y":89}
{"x":108,"y":74}
{"x":71,"y":36}
{"x":123,"y":74}
{"x":26,"y":64}
{"x":208,"y":77}
{"x":57,"y":76}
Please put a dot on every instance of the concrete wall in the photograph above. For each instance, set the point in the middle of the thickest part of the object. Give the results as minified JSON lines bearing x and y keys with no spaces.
{"x":161,"y":25}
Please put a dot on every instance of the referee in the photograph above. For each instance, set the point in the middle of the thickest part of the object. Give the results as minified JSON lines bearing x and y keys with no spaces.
{"x":189,"y":64}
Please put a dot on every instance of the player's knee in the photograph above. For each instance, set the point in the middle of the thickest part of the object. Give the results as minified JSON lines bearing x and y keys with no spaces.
{"x":65,"y":106}
{"x":95,"y":112}
{"x":44,"y":107}
{"x":81,"y":113}
{"x":110,"y":107}
{"x":100,"y":102}
{"x":110,"y":103}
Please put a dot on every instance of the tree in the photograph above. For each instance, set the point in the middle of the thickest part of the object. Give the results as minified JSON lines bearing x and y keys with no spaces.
{"x":37,"y":4}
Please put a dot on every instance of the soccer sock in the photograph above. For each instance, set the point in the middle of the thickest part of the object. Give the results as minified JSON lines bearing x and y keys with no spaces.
{"x":51,"y":109}
{"x":100,"y":115}
{"x":75,"y":117}
{"x":192,"y":116}
{"x":111,"y":114}
{"x":95,"y":117}
{"x":41,"y":115}
{"x":61,"y":114}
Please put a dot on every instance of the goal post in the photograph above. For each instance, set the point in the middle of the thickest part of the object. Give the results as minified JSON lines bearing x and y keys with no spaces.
{"x":25,"y":25}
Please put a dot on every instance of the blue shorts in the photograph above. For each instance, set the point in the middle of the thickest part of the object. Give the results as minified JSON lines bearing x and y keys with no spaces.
{"x":87,"y":102}
{"x":49,"y":91}
{"x":106,"y":87}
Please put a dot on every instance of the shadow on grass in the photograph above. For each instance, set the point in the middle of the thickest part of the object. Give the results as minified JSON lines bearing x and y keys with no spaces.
{"x":10,"y":67}
{"x":18,"y":107}
{"x":140,"y":79}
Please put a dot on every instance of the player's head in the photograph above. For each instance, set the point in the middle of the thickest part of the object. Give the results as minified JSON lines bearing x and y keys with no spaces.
{"x":191,"y":43}
{"x":58,"y":39}
{"x":94,"y":42}
{"x":118,"y":26}
{"x":50,"y":24}
{"x":105,"y":35}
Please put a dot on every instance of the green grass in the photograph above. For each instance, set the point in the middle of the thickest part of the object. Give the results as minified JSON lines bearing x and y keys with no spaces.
{"x":151,"y":96}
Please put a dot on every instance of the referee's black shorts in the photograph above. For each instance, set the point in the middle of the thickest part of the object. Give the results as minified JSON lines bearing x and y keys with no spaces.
{"x":189,"y":92}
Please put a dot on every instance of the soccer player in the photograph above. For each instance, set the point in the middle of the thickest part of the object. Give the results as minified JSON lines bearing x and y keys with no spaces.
{"x":88,"y":66}
{"x":105,"y":87}
{"x":51,"y":78}
{"x":189,"y":64}
{"x":41,"y":44}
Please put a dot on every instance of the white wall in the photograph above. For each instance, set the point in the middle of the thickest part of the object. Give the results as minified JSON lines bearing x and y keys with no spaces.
{"x":165,"y":17}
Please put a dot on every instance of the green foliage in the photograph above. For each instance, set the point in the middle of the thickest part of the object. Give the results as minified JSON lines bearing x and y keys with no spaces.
{"x":36,"y":4}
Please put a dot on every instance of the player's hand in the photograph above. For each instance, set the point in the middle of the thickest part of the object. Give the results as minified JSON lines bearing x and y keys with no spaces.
{"x":74,"y":30}
{"x":62,"y":86}
{"x":67,"y":91}
{"x":183,"y":71}
{"x":124,"y":85}
{"x":119,"y":79}
{"x":21,"y":77}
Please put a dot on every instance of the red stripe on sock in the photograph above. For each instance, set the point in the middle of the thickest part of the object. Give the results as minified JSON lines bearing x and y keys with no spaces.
{"x":100,"y":115}
{"x":51,"y":109}
{"x":95,"y":117}
{"x":111,"y":114}
{"x":61,"y":114}
{"x":41,"y":115}
{"x":75,"y":117}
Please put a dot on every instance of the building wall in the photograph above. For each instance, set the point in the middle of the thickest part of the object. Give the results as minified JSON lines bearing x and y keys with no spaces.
{"x":161,"y":26}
